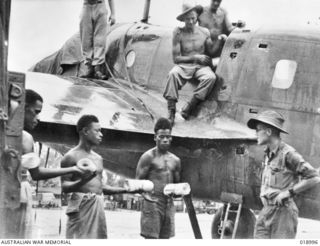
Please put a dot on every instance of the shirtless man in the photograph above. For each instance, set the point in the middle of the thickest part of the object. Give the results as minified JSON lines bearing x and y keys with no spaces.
{"x":217,"y":21}
{"x":86,"y":218}
{"x":30,"y":160}
{"x":161,"y":167}
{"x":192,"y":49}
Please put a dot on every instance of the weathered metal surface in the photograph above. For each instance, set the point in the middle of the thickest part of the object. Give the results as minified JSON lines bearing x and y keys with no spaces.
{"x":218,"y":152}
{"x":253,"y":70}
{"x":119,"y":107}
{"x":153,"y":58}
{"x":208,"y":148}
{"x":11,"y":158}
{"x":3,"y":108}
{"x":10,"y":140}
{"x":249,"y":79}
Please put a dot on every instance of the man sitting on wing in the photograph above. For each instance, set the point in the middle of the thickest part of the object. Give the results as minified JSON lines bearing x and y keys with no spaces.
{"x":192,"y":49}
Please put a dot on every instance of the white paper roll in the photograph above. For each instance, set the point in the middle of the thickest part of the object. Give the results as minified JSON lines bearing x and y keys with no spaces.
{"x":86,"y":164}
{"x":135,"y":185}
{"x":30,"y":160}
{"x":180,"y":189}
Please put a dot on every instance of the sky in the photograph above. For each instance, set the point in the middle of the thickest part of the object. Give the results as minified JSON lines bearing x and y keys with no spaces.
{"x":40,"y":27}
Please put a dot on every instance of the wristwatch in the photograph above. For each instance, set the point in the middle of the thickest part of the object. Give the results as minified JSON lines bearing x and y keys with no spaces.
{"x":292,"y":193}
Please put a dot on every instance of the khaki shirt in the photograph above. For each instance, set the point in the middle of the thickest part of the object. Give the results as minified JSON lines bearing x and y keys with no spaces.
{"x":282,"y":169}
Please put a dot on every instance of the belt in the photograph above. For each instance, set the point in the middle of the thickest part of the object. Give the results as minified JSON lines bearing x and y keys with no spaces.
{"x":271,"y":202}
{"x":88,"y":195}
{"x":92,"y":2}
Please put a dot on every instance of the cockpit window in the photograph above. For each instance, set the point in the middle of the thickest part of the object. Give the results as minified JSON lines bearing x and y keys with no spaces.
{"x":284,"y":74}
{"x":130,"y":58}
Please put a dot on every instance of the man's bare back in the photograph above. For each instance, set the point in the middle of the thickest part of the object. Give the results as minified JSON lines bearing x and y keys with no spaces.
{"x":72,"y":157}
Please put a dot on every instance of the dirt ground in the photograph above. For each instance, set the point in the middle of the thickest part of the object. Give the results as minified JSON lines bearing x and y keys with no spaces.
{"x":123,"y":224}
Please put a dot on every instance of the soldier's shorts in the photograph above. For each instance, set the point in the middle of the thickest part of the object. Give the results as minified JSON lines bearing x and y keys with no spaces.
{"x":277,"y":222}
{"x":157,"y":219}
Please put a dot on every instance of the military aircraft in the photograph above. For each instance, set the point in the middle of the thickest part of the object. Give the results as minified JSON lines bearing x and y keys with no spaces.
{"x":269,"y":68}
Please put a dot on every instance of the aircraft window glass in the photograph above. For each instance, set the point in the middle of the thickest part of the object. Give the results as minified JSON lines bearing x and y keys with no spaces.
{"x":263,"y":46}
{"x":284,"y":74}
{"x":130,"y":58}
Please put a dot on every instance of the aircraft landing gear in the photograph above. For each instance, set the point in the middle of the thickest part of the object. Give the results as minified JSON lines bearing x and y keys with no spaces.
{"x":245,"y":226}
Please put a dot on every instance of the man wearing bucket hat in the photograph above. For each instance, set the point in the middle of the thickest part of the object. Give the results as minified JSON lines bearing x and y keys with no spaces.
{"x":192,"y":49}
{"x":283,"y":166}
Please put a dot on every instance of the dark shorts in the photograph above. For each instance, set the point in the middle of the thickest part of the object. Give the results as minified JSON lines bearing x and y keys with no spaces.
{"x":277,"y":222}
{"x":157,"y":219}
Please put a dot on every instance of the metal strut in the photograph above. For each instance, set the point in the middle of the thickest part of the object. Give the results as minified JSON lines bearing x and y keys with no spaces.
{"x":231,"y":200}
{"x":192,"y":217}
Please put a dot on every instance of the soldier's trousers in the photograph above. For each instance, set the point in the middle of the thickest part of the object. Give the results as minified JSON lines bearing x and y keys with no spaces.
{"x":181,"y":73}
{"x":277,"y":222}
{"x":93,"y":32}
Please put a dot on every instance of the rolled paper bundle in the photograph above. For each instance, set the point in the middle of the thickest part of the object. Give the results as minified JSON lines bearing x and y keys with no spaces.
{"x":13,"y":107}
{"x":215,"y":61}
{"x":30,"y":160}
{"x":86,"y":164}
{"x":180,"y":189}
{"x":139,"y":185}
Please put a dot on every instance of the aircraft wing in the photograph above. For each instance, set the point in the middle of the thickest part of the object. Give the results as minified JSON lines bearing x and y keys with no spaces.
{"x":120,"y":105}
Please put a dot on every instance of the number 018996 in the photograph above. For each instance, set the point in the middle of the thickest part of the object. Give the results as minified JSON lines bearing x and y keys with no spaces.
{"x":309,"y":242}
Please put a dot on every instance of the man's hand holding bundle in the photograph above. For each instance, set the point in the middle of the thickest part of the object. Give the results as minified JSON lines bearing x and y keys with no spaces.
{"x":86,"y":168}
{"x":202,"y":60}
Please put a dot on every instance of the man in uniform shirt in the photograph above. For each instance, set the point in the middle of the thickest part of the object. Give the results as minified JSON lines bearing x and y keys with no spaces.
{"x":283,"y":166}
